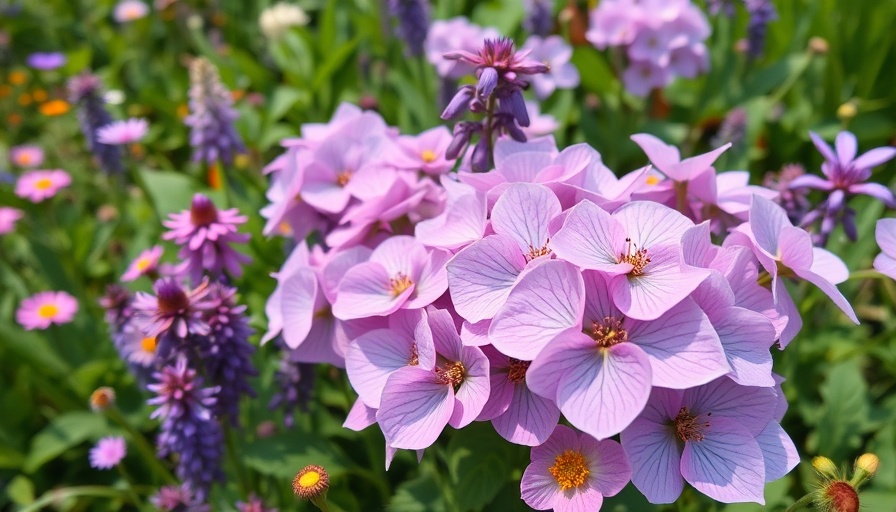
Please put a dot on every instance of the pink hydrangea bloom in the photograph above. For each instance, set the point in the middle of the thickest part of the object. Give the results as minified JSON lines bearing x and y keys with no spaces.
{"x":147,"y":263}
{"x":26,"y":156}
{"x":39,"y":185}
{"x":123,"y":132}
{"x":130,"y":10}
{"x":572,"y":472}
{"x":8,"y":218}
{"x":45,"y":308}
{"x":108,"y":452}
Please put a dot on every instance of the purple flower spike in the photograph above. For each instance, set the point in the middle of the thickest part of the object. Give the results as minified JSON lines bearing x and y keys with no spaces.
{"x":173,"y":309}
{"x":885,"y":233}
{"x":572,"y":472}
{"x":212,"y":135}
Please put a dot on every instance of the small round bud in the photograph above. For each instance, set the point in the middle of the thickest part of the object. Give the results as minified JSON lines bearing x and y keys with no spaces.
{"x":825,"y":466}
{"x":102,"y":399}
{"x":868,"y":463}
{"x":266,"y":429}
{"x":818,"y":45}
{"x":311,"y":483}
{"x":847,"y":111}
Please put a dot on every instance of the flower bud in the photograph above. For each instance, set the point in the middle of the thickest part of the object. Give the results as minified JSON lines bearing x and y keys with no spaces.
{"x":847,"y":111}
{"x":312,"y":483}
{"x":825,"y":466}
{"x":865,"y":467}
{"x":818,"y":45}
{"x":102,"y":399}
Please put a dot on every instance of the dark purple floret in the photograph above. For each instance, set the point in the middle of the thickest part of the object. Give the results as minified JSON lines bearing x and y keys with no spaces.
{"x":761,"y":12}
{"x":173,"y":498}
{"x":295,"y":382}
{"x":189,"y":430}
{"x":794,"y":201}
{"x":175,"y":316}
{"x":539,"y":18}
{"x":413,"y":23}
{"x":733,"y":129}
{"x":85,"y":91}
{"x":211,"y":118}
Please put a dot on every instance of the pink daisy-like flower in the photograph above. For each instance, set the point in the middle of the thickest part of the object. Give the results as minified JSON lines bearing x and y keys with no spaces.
{"x":146,"y":263}
{"x":130,"y":10}
{"x":123,"y":132}
{"x":107,"y":453}
{"x":45,"y":308}
{"x":26,"y":156}
{"x":572,"y":471}
{"x":8,"y":218}
{"x":39,"y":185}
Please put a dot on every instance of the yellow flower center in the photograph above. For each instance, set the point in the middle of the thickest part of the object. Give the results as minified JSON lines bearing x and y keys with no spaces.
{"x":148,"y":345}
{"x":54,"y":108}
{"x":47,"y":311}
{"x":310,"y":478}
{"x":24,"y":159}
{"x":143,"y":264}
{"x":43,"y":183}
{"x":653,"y":180}
{"x":637,"y":258}
{"x":343,"y":178}
{"x":608,"y":332}
{"x":428,"y":155}
{"x":17,"y":78}
{"x":399,"y":284}
{"x":569,"y":470}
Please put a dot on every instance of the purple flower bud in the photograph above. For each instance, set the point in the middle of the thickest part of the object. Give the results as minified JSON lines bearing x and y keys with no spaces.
{"x":481,"y":159}
{"x":518,"y":107}
{"x":488,"y":80}
{"x":413,"y":23}
{"x":458,"y":102}
{"x":211,"y":118}
{"x":462,"y":134}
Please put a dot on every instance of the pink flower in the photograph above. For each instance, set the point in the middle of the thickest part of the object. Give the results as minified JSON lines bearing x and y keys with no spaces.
{"x":45,"y":308}
{"x":123,"y":132}
{"x":426,"y":151}
{"x":130,"y":10}
{"x":107,"y":453}
{"x":26,"y":156}
{"x":39,"y":185}
{"x":8,"y":218}
{"x":145,"y":264}
{"x":554,"y":52}
{"x":572,"y":472}
{"x":885,"y":233}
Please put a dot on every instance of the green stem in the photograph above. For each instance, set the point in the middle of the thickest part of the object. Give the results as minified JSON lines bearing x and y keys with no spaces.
{"x":487,"y":132}
{"x":129,"y":482}
{"x":866,"y":274}
{"x":146,"y":450}
{"x":803,"y":502}
{"x":232,"y":455}
{"x":60,"y":495}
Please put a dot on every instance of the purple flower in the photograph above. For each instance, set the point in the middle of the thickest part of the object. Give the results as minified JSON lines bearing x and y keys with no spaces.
{"x":761,"y":13}
{"x":27,"y":156}
{"x":86,"y":92}
{"x":188,"y":427}
{"x":720,"y":437}
{"x":885,"y":234}
{"x":173,"y":314}
{"x":46,"y":61}
{"x":572,"y":472}
{"x":793,"y":200}
{"x":123,"y":132}
{"x":845,"y":175}
{"x":454,"y":34}
{"x":205,"y":235}
{"x":539,"y":19}
{"x":417,"y":402}
{"x":413,"y":23}
{"x":178,"y":499}
{"x":253,"y":504}
{"x":107,"y":453}
{"x":295,"y":383}
{"x":211,"y":118}
{"x":554,"y":52}
{"x":637,"y":248}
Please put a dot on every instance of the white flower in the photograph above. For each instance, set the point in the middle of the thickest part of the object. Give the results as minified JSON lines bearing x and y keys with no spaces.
{"x":278,"y":18}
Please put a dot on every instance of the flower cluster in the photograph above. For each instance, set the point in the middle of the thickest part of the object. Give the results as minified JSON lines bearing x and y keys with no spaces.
{"x":211,"y":118}
{"x":659,"y":46}
{"x":549,"y":287}
{"x":86,"y":91}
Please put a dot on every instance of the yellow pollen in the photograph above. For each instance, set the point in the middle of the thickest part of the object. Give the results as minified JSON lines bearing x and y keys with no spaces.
{"x":652,"y":180}
{"x":310,"y":478}
{"x":637,"y":258}
{"x":148,"y":345}
{"x":343,"y":178}
{"x":43,"y":183}
{"x":143,"y":264}
{"x":569,"y":470}
{"x":399,"y":284}
{"x":534,"y":252}
{"x":428,"y":155}
{"x":414,"y":360}
{"x":608,"y":332}
{"x":452,"y":373}
{"x":47,"y":311}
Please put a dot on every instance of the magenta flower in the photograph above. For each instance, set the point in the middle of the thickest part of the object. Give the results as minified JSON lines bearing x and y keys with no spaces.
{"x":129,"y":10}
{"x":554,"y":52}
{"x":638,"y":248}
{"x":107,"y":453}
{"x":401,"y":274}
{"x":45,"y":308}
{"x":46,"y":61}
{"x":173,"y":308}
{"x":518,"y":414}
{"x":123,"y":132}
{"x":39,"y":185}
{"x":716,"y":437}
{"x":481,"y":276}
{"x":147,"y":263}
{"x":885,"y":233}
{"x":26,"y":156}
{"x":572,"y":472}
{"x":8,"y":218}
{"x":417,"y":403}
{"x":205,"y":235}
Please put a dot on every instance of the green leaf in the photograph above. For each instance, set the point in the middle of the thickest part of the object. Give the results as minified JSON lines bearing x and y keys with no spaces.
{"x":10,"y":457}
{"x":64,"y":432}
{"x":421,"y":494}
{"x":170,"y":192}
{"x":478,"y":464}
{"x":844,"y":413}
{"x":284,"y":455}
{"x":20,"y":490}
{"x":283,"y":99}
{"x":334,"y":61}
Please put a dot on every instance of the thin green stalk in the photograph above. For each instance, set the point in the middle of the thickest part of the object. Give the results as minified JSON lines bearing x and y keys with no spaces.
{"x":129,"y":482}
{"x":65,"y":493}
{"x":801,"y":503}
{"x":146,"y":450}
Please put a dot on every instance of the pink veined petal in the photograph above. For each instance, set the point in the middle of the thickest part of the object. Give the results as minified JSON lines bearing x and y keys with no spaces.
{"x":413,"y":324}
{"x":561,"y":439}
{"x":650,"y":224}
{"x":605,"y":390}
{"x":273,"y":314}
{"x":767,"y":220}
{"x":746,"y":337}
{"x":298,"y":295}
{"x":662,"y":155}
{"x":529,"y":418}
{"x":582,"y":499}
{"x":433,"y":280}
{"x":681,"y":342}
{"x":400,"y":254}
{"x":875,"y":190}
{"x":696,"y":246}
{"x":846,"y":147}
{"x":475,"y":335}
{"x":481,"y":275}
{"x":444,"y":334}
{"x":886,"y":265}
{"x":523,"y":213}
{"x":591,"y":239}
{"x":360,"y":416}
{"x":370,"y":360}
{"x":727,"y":465}
{"x":548,"y":300}
{"x":610,"y":469}
{"x":325,"y":196}
{"x":885,"y":234}
{"x":823,"y":147}
{"x":462,"y":223}
{"x":538,"y":487}
{"x":830,"y":290}
{"x":788,"y":309}
{"x":322,"y":344}
{"x":415,"y":408}
{"x":749,"y":407}
{"x":691,"y":167}
{"x":652,"y":449}
{"x":502,"y":392}
{"x":335,"y":269}
{"x":364,"y":291}
{"x":598,"y":303}
{"x":795,"y":247}
{"x":874,"y":157}
{"x":778,"y":451}
{"x":829,"y":265}
{"x":474,"y":391}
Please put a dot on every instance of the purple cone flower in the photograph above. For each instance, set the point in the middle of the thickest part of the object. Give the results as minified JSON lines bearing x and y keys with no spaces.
{"x":172,"y":317}
{"x":178,"y":499}
{"x":572,"y":472}
{"x":46,"y":61}
{"x":212,"y":135}
{"x":885,"y":233}
{"x":189,"y":429}
{"x":85,"y":91}
{"x":205,"y":235}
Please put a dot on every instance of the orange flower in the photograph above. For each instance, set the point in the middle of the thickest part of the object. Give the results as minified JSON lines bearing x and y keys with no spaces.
{"x":24,"y":99}
{"x":54,"y":108}
{"x":5,"y":91}
{"x":17,"y":77}
{"x":214,"y":177}
{"x":14,"y":119}
{"x":39,"y":95}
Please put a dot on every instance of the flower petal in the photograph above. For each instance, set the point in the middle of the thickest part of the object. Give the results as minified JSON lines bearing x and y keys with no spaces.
{"x":364,"y":291}
{"x":523,"y":213}
{"x":415,"y":408}
{"x":474,"y":391}
{"x":481,"y":275}
{"x":610,"y":469}
{"x":846,"y":147}
{"x":652,"y":449}
{"x":298,"y":295}
{"x":591,"y":239}
{"x":529,"y":419}
{"x":874,"y":157}
{"x":370,"y":360}
{"x":727,"y":465}
{"x":778,"y":451}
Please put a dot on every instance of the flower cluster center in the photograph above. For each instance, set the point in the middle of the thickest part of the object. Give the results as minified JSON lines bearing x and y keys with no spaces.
{"x":48,"y":311}
{"x":537,"y":252}
{"x":172,"y":300}
{"x":428,"y":155}
{"x":453,"y":373}
{"x":516,"y":372}
{"x":608,"y":332}
{"x":148,"y":345}
{"x":570,"y":470}
{"x":689,"y":427}
{"x":399,"y":283}
{"x":637,"y":258}
{"x":43,"y":183}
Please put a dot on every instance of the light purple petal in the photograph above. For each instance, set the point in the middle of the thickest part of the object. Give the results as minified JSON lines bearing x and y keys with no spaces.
{"x":529,"y":418}
{"x":591,"y":239}
{"x":652,"y":449}
{"x":444,"y":334}
{"x":335,"y":269}
{"x":583,"y":499}
{"x":662,"y":155}
{"x":727,"y":465}
{"x":767,"y":220}
{"x":548,"y":300}
{"x":462,"y":223}
{"x":480,"y":276}
{"x":778,"y":451}
{"x":650,"y":224}
{"x":875,"y":190}
{"x":748,"y":406}
{"x":811,"y":181}
{"x":364,"y":291}
{"x":415,"y":408}
{"x":823,"y":147}
{"x":830,"y":290}
{"x":474,"y":392}
{"x":846,"y":147}
{"x":829,"y":265}
{"x":886,"y":265}
{"x":795,"y":248}
{"x":874,"y":157}
{"x":400,"y":254}
{"x":561,"y":439}
{"x":610,"y":469}
{"x":538,"y":487}
{"x":299,"y":292}
{"x":433,"y":280}
{"x":788,"y":309}
{"x":691,"y":167}
{"x":371,"y":358}
{"x":746,"y":336}
{"x":360,"y":416}
{"x":523,"y":213}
